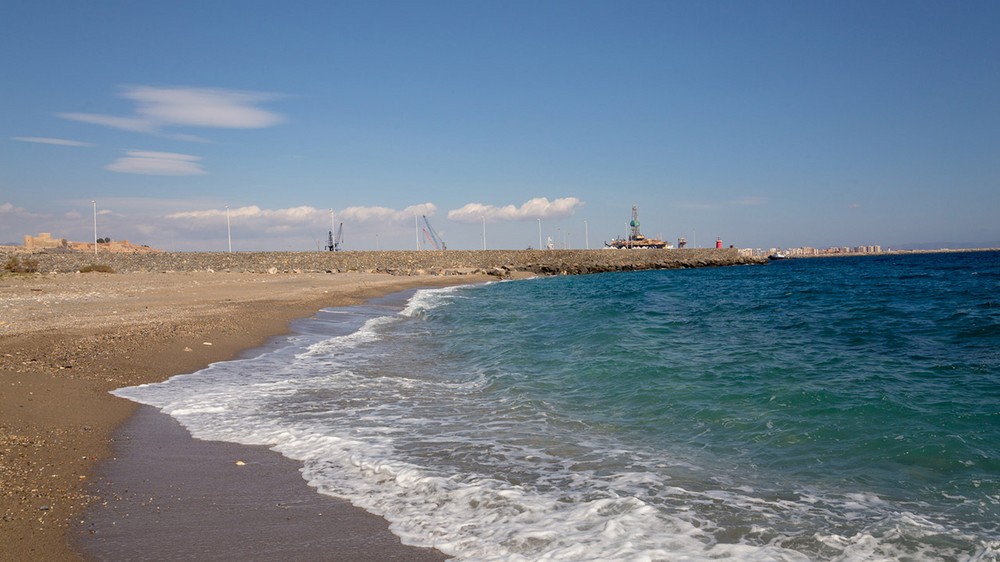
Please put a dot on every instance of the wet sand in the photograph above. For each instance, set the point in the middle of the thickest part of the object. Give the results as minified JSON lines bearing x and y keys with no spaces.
{"x":66,"y":340}
{"x":172,"y":497}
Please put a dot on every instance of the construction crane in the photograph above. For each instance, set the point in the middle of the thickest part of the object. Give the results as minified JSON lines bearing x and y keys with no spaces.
{"x":432,"y":236}
{"x":333,"y":243}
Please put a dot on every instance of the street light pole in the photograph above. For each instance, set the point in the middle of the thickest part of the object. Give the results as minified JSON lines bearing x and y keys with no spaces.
{"x":586,"y":234}
{"x":539,"y":234}
{"x":229,"y":230}
{"x":95,"y":226}
{"x":484,"y":232}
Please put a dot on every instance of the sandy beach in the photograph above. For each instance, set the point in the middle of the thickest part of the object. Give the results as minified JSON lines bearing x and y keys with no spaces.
{"x":66,"y":340}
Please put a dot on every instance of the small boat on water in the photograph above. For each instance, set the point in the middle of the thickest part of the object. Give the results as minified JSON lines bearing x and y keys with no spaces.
{"x":777,"y":256}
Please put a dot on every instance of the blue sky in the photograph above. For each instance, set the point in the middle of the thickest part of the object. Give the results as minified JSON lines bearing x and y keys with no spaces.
{"x":763,"y":123}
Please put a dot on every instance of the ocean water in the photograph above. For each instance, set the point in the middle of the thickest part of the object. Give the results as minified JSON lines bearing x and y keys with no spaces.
{"x":827,"y":409}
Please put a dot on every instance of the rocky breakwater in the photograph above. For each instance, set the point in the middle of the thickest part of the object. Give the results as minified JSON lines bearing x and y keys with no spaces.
{"x":499,"y":263}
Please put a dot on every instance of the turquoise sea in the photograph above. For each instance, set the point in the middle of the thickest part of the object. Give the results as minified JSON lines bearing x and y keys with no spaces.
{"x":823,"y":409}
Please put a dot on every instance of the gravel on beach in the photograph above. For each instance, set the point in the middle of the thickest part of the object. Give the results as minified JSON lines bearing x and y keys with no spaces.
{"x":68,"y":338}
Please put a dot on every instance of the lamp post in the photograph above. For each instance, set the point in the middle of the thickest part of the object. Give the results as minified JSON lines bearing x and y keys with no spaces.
{"x":539,"y":234}
{"x":333,"y":231}
{"x":586,"y":235}
{"x":229,"y":230}
{"x":484,"y":231}
{"x":95,"y":226}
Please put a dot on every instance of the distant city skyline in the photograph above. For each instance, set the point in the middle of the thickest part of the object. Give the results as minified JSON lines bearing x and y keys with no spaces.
{"x":767,"y":125}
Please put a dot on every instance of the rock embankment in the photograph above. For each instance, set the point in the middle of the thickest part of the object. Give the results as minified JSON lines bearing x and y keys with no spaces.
{"x":499,"y":263}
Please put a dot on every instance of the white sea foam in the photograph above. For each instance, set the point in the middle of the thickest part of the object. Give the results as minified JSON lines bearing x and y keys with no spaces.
{"x":197,"y":410}
{"x":484,"y":472}
{"x":428,"y":299}
{"x":467,"y":515}
{"x":369,"y":332}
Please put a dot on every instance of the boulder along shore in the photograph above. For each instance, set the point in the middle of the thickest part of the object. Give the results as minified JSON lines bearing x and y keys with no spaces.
{"x":499,"y":263}
{"x":68,"y":338}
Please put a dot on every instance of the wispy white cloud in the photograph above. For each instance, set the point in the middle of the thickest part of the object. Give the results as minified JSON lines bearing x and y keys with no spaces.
{"x":215,"y":213}
{"x":157,"y":109}
{"x":187,"y":138}
{"x":157,"y":164}
{"x":48,"y":140}
{"x":10,"y":208}
{"x":749,"y":201}
{"x":537,"y":208}
{"x":293,"y":214}
{"x":134,"y":124}
{"x":203,"y":107}
{"x":696,"y":206}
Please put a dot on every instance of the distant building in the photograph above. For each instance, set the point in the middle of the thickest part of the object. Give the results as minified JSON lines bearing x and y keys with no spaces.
{"x":45,"y":241}
{"x":807,"y":251}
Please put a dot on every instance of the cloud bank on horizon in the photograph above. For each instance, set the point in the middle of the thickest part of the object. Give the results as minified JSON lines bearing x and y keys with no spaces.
{"x":304,"y":221}
{"x":537,"y":208}
{"x":307,"y":214}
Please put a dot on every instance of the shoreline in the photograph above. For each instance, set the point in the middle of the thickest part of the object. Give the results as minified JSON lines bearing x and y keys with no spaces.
{"x":67,"y":340}
{"x":226,"y":501}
